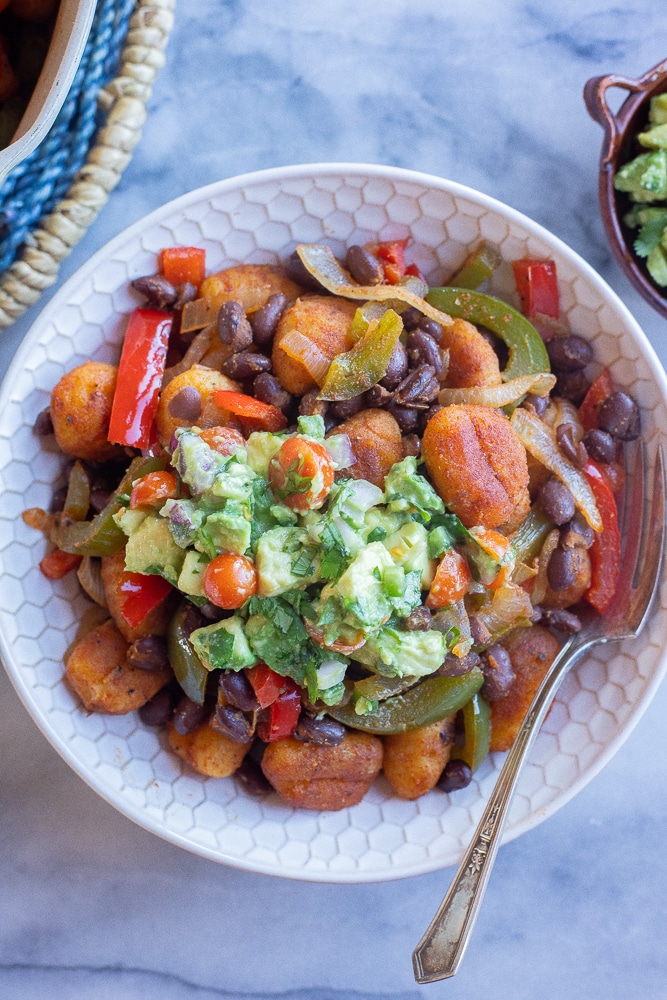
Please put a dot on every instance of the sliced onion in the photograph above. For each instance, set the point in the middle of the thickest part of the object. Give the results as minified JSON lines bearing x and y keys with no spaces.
{"x":321,"y":263}
{"x":90,"y":578}
{"x":509,"y":607}
{"x":299,"y":347}
{"x":339,"y":447}
{"x":499,"y":395}
{"x":541,"y":583}
{"x":540,"y":441}
{"x":192,"y":356}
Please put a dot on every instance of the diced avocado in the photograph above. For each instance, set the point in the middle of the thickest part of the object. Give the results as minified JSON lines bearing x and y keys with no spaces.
{"x":404,"y":487}
{"x":280,"y":558}
{"x":656,"y":264}
{"x":191,"y":577}
{"x":379,"y":519}
{"x":654,"y":138}
{"x":312,"y":426}
{"x":151,"y":549}
{"x":409,"y":548}
{"x":234,"y":482}
{"x":393,"y":652}
{"x":197,"y":464}
{"x":261,"y":447}
{"x":229,"y":529}
{"x":644,"y":178}
{"x":129,"y":520}
{"x":360,"y":587}
{"x":658,"y":110}
{"x":223,"y":645}
{"x":185,"y":518}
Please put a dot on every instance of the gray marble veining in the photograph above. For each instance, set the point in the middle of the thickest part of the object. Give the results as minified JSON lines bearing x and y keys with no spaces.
{"x":92,"y":907}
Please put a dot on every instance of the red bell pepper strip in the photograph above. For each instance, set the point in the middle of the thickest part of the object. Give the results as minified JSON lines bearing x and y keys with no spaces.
{"x":258,"y":415}
{"x":184,"y":264}
{"x":277,"y":722}
{"x":598,"y":391}
{"x":266,"y":683}
{"x":605,"y":552}
{"x":141,"y":595}
{"x":58,"y":564}
{"x":414,"y":272}
{"x":537,"y":285}
{"x":140,"y":372}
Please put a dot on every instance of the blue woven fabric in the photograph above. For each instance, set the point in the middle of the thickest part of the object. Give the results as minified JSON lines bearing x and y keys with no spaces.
{"x":38,"y":183}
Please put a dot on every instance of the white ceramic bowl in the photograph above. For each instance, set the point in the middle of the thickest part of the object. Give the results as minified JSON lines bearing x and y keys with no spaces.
{"x":68,"y":42}
{"x":260,"y":218}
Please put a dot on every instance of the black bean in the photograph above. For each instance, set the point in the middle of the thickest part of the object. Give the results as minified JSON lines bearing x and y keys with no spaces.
{"x":457,"y":774}
{"x":296,"y":270}
{"x":619,"y":416}
{"x":561,"y":571}
{"x":537,"y":404}
{"x":418,"y":389}
{"x":267,"y":389}
{"x":573,"y":450}
{"x":479,"y":632}
{"x":157,"y":711}
{"x":186,"y":404}
{"x":561,"y":620}
{"x":411,"y":318}
{"x":252,"y":777}
{"x":265,"y":319}
{"x":426,"y":415}
{"x":232,"y":723}
{"x":577,"y":534}
{"x":419,"y":620}
{"x":572,"y":386}
{"x":376,"y":397}
{"x":405,"y":416}
{"x":423,"y":350}
{"x":43,"y":425}
{"x":498,"y":673}
{"x":346,"y":408}
{"x":457,"y":666}
{"x":363,"y":266}
{"x":323,"y":732}
{"x":600,"y":445}
{"x":148,"y":652}
{"x":311,"y":406}
{"x":185,"y":292}
{"x":212,"y":612}
{"x":233,"y":327}
{"x":158,"y":292}
{"x":99,"y":498}
{"x":238,"y":691}
{"x":557,"y":501}
{"x":411,"y":445}
{"x":245,"y":365}
{"x":397,"y":368}
{"x":430,"y":326}
{"x":58,"y":500}
{"x":569,"y":354}
{"x":188,"y":715}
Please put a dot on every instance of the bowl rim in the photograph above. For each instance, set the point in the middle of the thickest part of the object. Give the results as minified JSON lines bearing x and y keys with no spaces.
{"x":138,"y":814}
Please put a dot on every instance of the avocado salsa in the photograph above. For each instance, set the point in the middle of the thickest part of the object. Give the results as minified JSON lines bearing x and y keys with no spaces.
{"x":328,"y":547}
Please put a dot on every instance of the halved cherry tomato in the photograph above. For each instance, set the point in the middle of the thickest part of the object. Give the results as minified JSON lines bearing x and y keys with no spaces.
{"x":229,"y":580}
{"x":537,"y":285}
{"x":391,"y":254}
{"x":224,"y":440}
{"x":184,"y":264}
{"x":266,"y":683}
{"x":277,"y":722}
{"x":451,"y":580}
{"x":58,"y":564}
{"x":254,"y":415}
{"x":598,"y":391}
{"x":153,"y":489}
{"x":301,"y":474}
{"x":142,"y":593}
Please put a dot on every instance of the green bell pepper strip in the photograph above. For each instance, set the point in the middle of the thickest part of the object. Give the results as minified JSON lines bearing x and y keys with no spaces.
{"x":188,"y":669}
{"x":527,"y":353}
{"x":77,"y":500}
{"x":531,"y":535}
{"x":477,"y":728}
{"x":102,"y":536}
{"x":478,"y":266}
{"x":431,"y":700}
{"x":365,"y":364}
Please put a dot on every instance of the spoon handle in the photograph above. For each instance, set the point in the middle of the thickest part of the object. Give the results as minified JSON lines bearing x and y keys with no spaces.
{"x":439,"y":953}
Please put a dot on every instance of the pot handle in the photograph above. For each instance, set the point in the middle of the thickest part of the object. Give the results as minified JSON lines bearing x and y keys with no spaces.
{"x":595,"y":98}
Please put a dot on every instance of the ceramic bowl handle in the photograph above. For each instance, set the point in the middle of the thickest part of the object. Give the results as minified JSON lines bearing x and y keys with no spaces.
{"x":595,"y":97}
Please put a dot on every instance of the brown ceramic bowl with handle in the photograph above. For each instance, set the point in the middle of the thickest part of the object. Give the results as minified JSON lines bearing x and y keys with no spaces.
{"x":618,"y":147}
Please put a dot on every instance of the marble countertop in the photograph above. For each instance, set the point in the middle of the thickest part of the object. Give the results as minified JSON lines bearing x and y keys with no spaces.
{"x":92,"y":907}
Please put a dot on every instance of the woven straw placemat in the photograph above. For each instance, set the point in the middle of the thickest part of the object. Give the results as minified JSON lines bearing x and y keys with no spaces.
{"x":121,"y":103}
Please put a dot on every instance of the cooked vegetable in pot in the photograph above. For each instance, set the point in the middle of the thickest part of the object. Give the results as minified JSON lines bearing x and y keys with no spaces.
{"x":325,"y":512}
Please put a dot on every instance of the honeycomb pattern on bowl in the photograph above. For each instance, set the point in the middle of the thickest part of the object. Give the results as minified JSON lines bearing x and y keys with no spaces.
{"x":260,"y":218}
